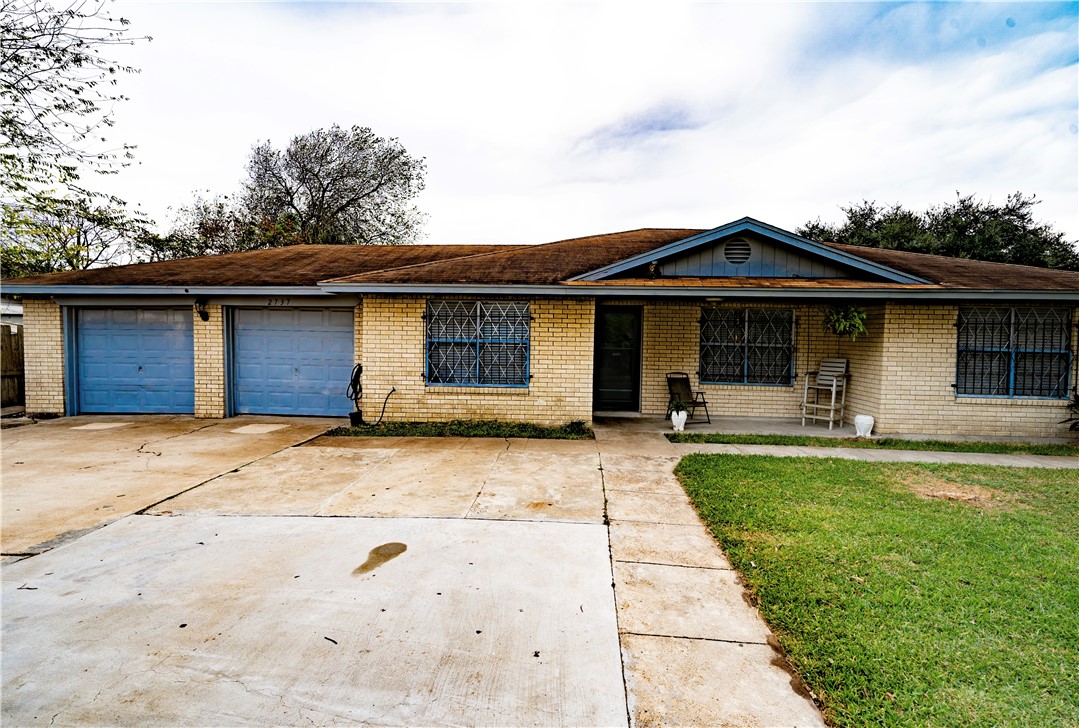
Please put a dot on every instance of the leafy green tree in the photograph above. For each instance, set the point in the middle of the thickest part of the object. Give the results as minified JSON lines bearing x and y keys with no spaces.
{"x":58,"y":92}
{"x":214,"y":225}
{"x":340,"y":186}
{"x":43,"y":233}
{"x":966,"y":228}
{"x":330,"y":186}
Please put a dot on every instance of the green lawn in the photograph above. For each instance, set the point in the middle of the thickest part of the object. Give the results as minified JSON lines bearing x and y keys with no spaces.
{"x":577,"y":430}
{"x":898,"y":601}
{"x":881,"y":443}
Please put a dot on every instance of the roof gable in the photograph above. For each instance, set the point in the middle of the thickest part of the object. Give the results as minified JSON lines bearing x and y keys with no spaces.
{"x":748,"y":247}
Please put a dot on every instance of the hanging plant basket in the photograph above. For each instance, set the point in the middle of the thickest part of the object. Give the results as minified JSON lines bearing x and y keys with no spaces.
{"x":845,"y":321}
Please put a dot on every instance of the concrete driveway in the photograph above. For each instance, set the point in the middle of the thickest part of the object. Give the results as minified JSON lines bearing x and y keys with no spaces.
{"x":259,"y":576}
{"x":68,"y":476}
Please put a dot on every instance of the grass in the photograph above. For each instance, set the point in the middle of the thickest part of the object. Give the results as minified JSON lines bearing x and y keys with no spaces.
{"x":576,"y":430}
{"x":898,"y":604}
{"x":880,"y":443}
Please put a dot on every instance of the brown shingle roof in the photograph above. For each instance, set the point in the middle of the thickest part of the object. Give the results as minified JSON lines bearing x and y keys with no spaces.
{"x":964,"y":273}
{"x":549,"y":264}
{"x":296,"y":265}
{"x":546,"y":264}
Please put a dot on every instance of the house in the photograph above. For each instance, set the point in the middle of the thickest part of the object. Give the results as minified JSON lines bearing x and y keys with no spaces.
{"x":554,"y":333}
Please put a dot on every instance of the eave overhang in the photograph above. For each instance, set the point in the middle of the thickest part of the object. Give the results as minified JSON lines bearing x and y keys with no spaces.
{"x":68,"y":290}
{"x":727,"y":293}
{"x":748,"y":224}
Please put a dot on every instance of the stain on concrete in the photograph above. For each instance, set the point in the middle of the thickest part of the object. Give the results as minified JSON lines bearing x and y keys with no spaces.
{"x":379,"y":555}
{"x":60,"y":540}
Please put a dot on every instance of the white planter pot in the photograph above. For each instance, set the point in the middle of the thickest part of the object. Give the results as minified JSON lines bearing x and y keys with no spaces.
{"x":863,"y":425}
{"x":678,"y":419}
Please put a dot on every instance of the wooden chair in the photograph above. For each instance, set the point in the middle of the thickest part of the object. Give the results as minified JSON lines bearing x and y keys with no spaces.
{"x":831,"y":379}
{"x":680,"y":390}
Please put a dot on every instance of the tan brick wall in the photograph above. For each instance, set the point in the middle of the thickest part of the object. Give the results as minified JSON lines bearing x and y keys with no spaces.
{"x":357,"y":333}
{"x":865,"y":355}
{"x":210,"y":363}
{"x":671,"y":342}
{"x":561,"y":366}
{"x":902,"y":373}
{"x":918,"y":365}
{"x":43,"y":352}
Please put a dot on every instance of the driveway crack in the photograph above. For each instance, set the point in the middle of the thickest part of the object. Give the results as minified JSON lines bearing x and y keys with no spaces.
{"x":614,"y":588}
{"x":486,"y":478}
{"x":143,"y":451}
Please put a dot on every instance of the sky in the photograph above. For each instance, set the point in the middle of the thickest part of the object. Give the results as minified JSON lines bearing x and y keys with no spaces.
{"x":544,"y":121}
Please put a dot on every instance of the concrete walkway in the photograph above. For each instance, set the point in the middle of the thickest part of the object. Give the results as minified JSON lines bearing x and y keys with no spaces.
{"x":695,"y":652}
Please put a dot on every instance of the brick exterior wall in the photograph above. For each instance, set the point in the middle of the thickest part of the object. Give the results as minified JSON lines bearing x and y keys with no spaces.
{"x":865,"y":356}
{"x":902,"y":373}
{"x":357,"y":333}
{"x":210,"y":363}
{"x":918,"y":366}
{"x":671,"y":342}
{"x":43,"y":352}
{"x":393,"y":341}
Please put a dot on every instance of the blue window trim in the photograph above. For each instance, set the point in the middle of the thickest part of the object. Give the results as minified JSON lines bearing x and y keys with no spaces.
{"x":478,"y":342}
{"x":1013,"y":353}
{"x":745,"y":359}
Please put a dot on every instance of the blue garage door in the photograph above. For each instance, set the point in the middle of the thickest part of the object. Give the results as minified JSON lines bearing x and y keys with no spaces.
{"x":292,"y":361}
{"x":137,"y":360}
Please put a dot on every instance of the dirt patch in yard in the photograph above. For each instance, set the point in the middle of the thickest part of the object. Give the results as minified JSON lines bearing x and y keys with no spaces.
{"x":926,"y":485}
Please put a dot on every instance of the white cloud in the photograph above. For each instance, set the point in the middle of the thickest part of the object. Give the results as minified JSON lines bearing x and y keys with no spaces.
{"x":541,"y":122}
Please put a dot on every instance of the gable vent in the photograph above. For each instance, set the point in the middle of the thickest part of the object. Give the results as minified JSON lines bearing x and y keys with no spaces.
{"x":737,"y":251}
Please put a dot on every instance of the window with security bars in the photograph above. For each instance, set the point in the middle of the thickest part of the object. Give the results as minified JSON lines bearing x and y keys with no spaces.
{"x":747,"y":346}
{"x":482,"y":343}
{"x":1014,"y":352}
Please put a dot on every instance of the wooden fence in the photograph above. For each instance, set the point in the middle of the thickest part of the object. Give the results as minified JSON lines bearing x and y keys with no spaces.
{"x":11,"y":367}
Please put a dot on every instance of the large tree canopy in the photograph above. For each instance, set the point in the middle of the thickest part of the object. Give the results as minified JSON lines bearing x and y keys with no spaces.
{"x":57,"y":99}
{"x":330,"y":186}
{"x":340,"y":186}
{"x":58,"y":92}
{"x":44,"y":233}
{"x":966,"y":228}
{"x":215,"y":225}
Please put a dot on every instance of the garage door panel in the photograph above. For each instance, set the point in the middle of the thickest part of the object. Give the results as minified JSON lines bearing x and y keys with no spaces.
{"x":292,"y":361}
{"x":135,"y":361}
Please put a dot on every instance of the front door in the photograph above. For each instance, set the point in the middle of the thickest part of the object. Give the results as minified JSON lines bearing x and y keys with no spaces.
{"x":617,"y":379}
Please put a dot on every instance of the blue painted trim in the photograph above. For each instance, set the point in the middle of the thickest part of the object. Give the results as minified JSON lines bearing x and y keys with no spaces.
{"x":868,"y":293}
{"x":748,"y":224}
{"x":69,"y":320}
{"x":1013,"y":397}
{"x":793,"y":346}
{"x":478,"y":342}
{"x":436,"y":385}
{"x":1013,"y":352}
{"x":61,"y":289}
{"x":229,"y":358}
{"x":746,"y":384}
